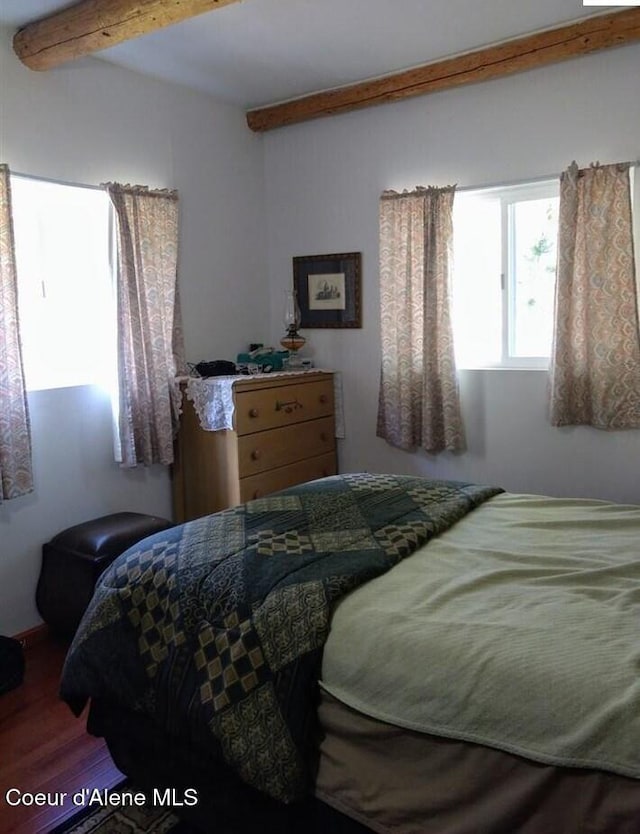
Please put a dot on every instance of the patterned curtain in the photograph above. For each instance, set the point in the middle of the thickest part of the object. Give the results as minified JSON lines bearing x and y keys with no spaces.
{"x":16,"y":477}
{"x":418,"y":403}
{"x":595,"y":364}
{"x":150,"y":343}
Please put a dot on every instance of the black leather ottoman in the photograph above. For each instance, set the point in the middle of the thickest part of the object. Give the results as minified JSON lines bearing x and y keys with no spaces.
{"x":74,"y":559}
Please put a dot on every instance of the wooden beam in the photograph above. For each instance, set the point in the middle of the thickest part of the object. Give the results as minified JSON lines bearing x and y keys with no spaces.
{"x":524,"y":53}
{"x":91,"y":25}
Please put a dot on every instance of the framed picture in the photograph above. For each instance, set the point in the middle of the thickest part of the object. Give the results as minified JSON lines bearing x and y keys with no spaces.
{"x":328,"y":289}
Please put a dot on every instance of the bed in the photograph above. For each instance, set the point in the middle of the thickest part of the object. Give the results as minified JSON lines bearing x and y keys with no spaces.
{"x":377,"y":653}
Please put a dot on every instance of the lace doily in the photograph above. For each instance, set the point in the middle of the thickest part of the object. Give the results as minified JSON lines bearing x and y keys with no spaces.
{"x":212,"y":400}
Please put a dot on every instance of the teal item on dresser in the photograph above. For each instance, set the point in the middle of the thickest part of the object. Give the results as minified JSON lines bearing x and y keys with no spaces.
{"x":275,"y":360}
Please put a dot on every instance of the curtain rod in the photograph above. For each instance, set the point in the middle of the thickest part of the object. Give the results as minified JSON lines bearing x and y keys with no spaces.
{"x":492,"y":186}
{"x":54,"y":181}
{"x":508,"y":184}
{"x":143,"y":188}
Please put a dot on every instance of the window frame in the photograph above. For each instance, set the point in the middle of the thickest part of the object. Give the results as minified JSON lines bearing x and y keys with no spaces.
{"x":508,"y":196}
{"x":52,"y":379}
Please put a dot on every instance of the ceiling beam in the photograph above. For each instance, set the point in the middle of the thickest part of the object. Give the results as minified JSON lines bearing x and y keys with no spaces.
{"x":512,"y":56}
{"x":91,"y":25}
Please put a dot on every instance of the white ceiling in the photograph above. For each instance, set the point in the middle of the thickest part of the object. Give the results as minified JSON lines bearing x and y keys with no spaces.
{"x":259,"y":52}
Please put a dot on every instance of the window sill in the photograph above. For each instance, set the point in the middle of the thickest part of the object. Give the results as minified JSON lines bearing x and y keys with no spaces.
{"x":504,"y":368}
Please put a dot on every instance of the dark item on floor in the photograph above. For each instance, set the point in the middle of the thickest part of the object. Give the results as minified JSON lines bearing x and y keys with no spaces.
{"x":74,"y":559}
{"x":153,"y":760}
{"x":11,"y":664}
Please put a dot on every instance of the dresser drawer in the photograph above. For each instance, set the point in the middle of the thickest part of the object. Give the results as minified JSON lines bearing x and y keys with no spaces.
{"x":258,"y":486}
{"x":280,"y":447}
{"x":282,"y":405}
{"x":283,"y":434}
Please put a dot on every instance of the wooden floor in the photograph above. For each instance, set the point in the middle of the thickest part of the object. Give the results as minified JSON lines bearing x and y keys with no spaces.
{"x":44,"y":747}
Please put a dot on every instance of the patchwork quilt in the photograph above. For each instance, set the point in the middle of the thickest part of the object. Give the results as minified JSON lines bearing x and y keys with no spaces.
{"x":214,"y":629}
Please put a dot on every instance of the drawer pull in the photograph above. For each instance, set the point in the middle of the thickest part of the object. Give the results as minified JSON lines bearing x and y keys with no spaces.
{"x":323,"y":436}
{"x":253,"y":412}
{"x":323,"y":398}
{"x":255,"y":455}
{"x":288,"y":407}
{"x":256,"y":494}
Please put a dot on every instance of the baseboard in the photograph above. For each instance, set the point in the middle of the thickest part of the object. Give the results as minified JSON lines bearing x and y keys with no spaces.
{"x":33,"y":636}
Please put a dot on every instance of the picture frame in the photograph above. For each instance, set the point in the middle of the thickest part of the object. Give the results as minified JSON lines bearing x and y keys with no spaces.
{"x":328,"y":289}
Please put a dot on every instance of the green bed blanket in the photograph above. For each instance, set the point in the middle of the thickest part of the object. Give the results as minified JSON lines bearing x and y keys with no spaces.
{"x":518,"y":628}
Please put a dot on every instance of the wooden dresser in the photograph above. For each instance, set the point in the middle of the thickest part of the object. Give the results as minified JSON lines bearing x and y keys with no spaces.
{"x":283,"y":434}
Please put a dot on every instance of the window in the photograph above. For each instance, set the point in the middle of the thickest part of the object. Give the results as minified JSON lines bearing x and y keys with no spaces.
{"x":65,"y":296}
{"x":504,"y":275}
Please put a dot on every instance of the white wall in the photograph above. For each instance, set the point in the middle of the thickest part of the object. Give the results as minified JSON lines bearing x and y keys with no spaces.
{"x":91,"y":122}
{"x":323,"y":180}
